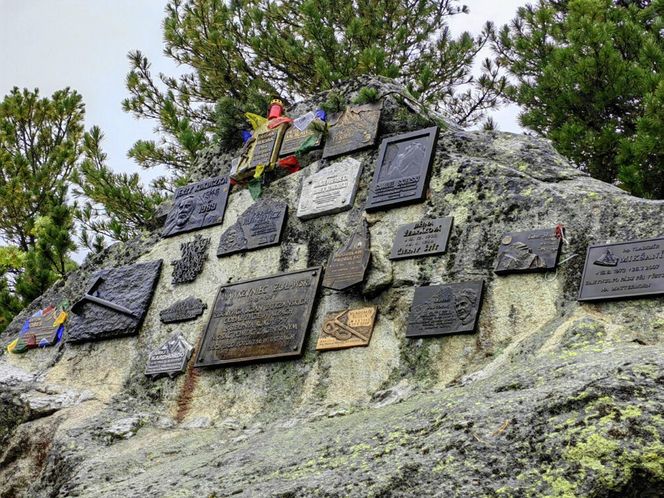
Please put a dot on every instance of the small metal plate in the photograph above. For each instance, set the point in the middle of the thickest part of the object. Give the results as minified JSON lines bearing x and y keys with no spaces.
{"x":170,"y":358}
{"x":530,"y":251}
{"x":260,"y":319}
{"x":623,"y":270}
{"x":445,"y":309}
{"x":194,"y":254}
{"x":259,"y":226}
{"x":197,"y":206}
{"x":330,"y":190}
{"x":347,"y":328}
{"x":348,"y":264}
{"x":424,"y":238}
{"x":403,"y":169}
{"x":294,"y":139}
{"x":353,"y":129}
{"x":264,"y":149}
{"x":182,"y":311}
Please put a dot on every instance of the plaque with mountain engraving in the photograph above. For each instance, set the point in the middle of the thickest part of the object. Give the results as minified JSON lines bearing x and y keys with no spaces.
{"x":260,"y":319}
{"x":623,"y":270}
{"x":347,"y":328}
{"x":424,"y":238}
{"x":353,"y":129}
{"x":530,"y":251}
{"x":197,"y":206}
{"x":170,"y":358}
{"x":403,"y":169}
{"x":183,"y":311}
{"x":259,"y":226}
{"x":348,"y":264}
{"x":445,"y":309}
{"x":330,"y":190}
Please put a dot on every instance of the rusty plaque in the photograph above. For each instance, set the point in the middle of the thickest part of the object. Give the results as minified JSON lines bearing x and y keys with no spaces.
{"x":445,"y":309}
{"x":197,"y":206}
{"x":170,"y":358}
{"x":259,"y":226}
{"x":424,"y":238}
{"x":264,"y":150}
{"x":347,"y":328}
{"x":623,"y":270}
{"x":403,"y":169}
{"x":529,"y":251}
{"x":183,"y":311}
{"x":260,"y":319}
{"x":348,"y":264}
{"x":295,"y":138}
{"x":353,"y":129}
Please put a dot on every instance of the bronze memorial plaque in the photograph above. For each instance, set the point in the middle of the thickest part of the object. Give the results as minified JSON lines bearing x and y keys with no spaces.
{"x":622,"y":270}
{"x":170,"y":358}
{"x":295,"y":138}
{"x":445,"y":309}
{"x":353,"y":129}
{"x":424,"y":238}
{"x":259,"y":226}
{"x":197,"y":206}
{"x":530,"y":251}
{"x":403,"y":168}
{"x":347,"y":328}
{"x":260,"y":319}
{"x":264,"y":151}
{"x":348,"y":264}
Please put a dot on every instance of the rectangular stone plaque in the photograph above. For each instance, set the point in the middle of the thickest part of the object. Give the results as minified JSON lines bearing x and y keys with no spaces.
{"x":259,"y":226}
{"x":294,"y":139}
{"x":622,"y":270}
{"x":348,"y":264}
{"x":529,"y":251}
{"x":347,"y":328}
{"x":170,"y":358}
{"x":265,"y":148}
{"x":197,"y":205}
{"x":260,"y":319}
{"x":403,"y":169}
{"x":330,"y":190}
{"x":353,"y":129}
{"x":423,"y":238}
{"x":445,"y":309}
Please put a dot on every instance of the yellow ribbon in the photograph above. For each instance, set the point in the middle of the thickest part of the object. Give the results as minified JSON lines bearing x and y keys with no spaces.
{"x":255,"y":120}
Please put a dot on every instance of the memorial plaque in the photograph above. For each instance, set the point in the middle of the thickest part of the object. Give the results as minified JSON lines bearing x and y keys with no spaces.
{"x":115,"y":303}
{"x":353,"y":129}
{"x":623,"y":270}
{"x":170,"y":358}
{"x":445,"y":309}
{"x":330,"y":190}
{"x":348,"y":264}
{"x":194,"y":254}
{"x":264,"y":150}
{"x":260,"y":319}
{"x":530,"y":251}
{"x":197,"y":206}
{"x":43,"y":329}
{"x":403,"y":169}
{"x":182,"y":311}
{"x":259,"y":226}
{"x":295,"y":138}
{"x":424,"y":238}
{"x":347,"y":328}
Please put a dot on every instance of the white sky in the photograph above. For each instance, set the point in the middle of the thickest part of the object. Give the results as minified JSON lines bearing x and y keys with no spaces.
{"x":83,"y":44}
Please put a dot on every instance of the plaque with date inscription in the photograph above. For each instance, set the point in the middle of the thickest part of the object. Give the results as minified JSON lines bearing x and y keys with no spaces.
{"x":197,"y":205}
{"x":348,"y":264}
{"x":170,"y":358}
{"x":347,"y":328}
{"x":445,"y":309}
{"x":183,"y":311}
{"x":259,"y":226}
{"x":530,"y":251}
{"x":623,"y":270}
{"x":403,"y":169}
{"x":295,"y":138}
{"x":265,"y":150}
{"x":353,"y":129}
{"x":424,"y":238}
{"x":260,"y":319}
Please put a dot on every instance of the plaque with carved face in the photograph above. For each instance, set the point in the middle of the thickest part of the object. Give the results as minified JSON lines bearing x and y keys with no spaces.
{"x":445,"y":309}
{"x":259,"y":226}
{"x":197,"y":205}
{"x":403,"y":169}
{"x":347,"y":328}
{"x":529,"y":251}
{"x":348,"y":264}
{"x":352,"y":129}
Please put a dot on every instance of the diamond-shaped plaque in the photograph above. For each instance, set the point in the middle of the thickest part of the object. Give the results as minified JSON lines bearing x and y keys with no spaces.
{"x":352,"y":129}
{"x":170,"y":358}
{"x":529,"y":251}
{"x":259,"y":226}
{"x":348,"y":264}
{"x":424,"y":238}
{"x":347,"y":328}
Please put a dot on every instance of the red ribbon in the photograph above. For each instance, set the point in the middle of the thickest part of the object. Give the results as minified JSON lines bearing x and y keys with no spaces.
{"x":560,"y":231}
{"x":290,"y":164}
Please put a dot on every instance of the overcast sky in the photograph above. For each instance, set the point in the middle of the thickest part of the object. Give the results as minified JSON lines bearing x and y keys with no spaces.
{"x":83,"y":44}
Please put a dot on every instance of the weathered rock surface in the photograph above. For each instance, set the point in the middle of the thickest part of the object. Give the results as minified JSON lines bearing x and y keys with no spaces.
{"x":549,"y":398}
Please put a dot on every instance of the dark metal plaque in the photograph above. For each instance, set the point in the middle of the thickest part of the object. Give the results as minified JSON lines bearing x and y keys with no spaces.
{"x":170,"y":358}
{"x":260,"y":319}
{"x":353,"y":129}
{"x":530,"y":251}
{"x":259,"y":226}
{"x":182,"y":311}
{"x":445,"y":309}
{"x":423,"y":238}
{"x":348,"y":264}
{"x":194,"y":254}
{"x":294,"y":139}
{"x":197,"y":206}
{"x":115,"y":303}
{"x":264,"y":148}
{"x":622,"y":270}
{"x":403,"y":169}
{"x":347,"y":328}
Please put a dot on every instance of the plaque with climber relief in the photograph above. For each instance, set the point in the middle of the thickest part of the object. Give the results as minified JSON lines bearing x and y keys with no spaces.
{"x":424,"y":238}
{"x":530,"y":251}
{"x":347,"y":328}
{"x":353,"y":129}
